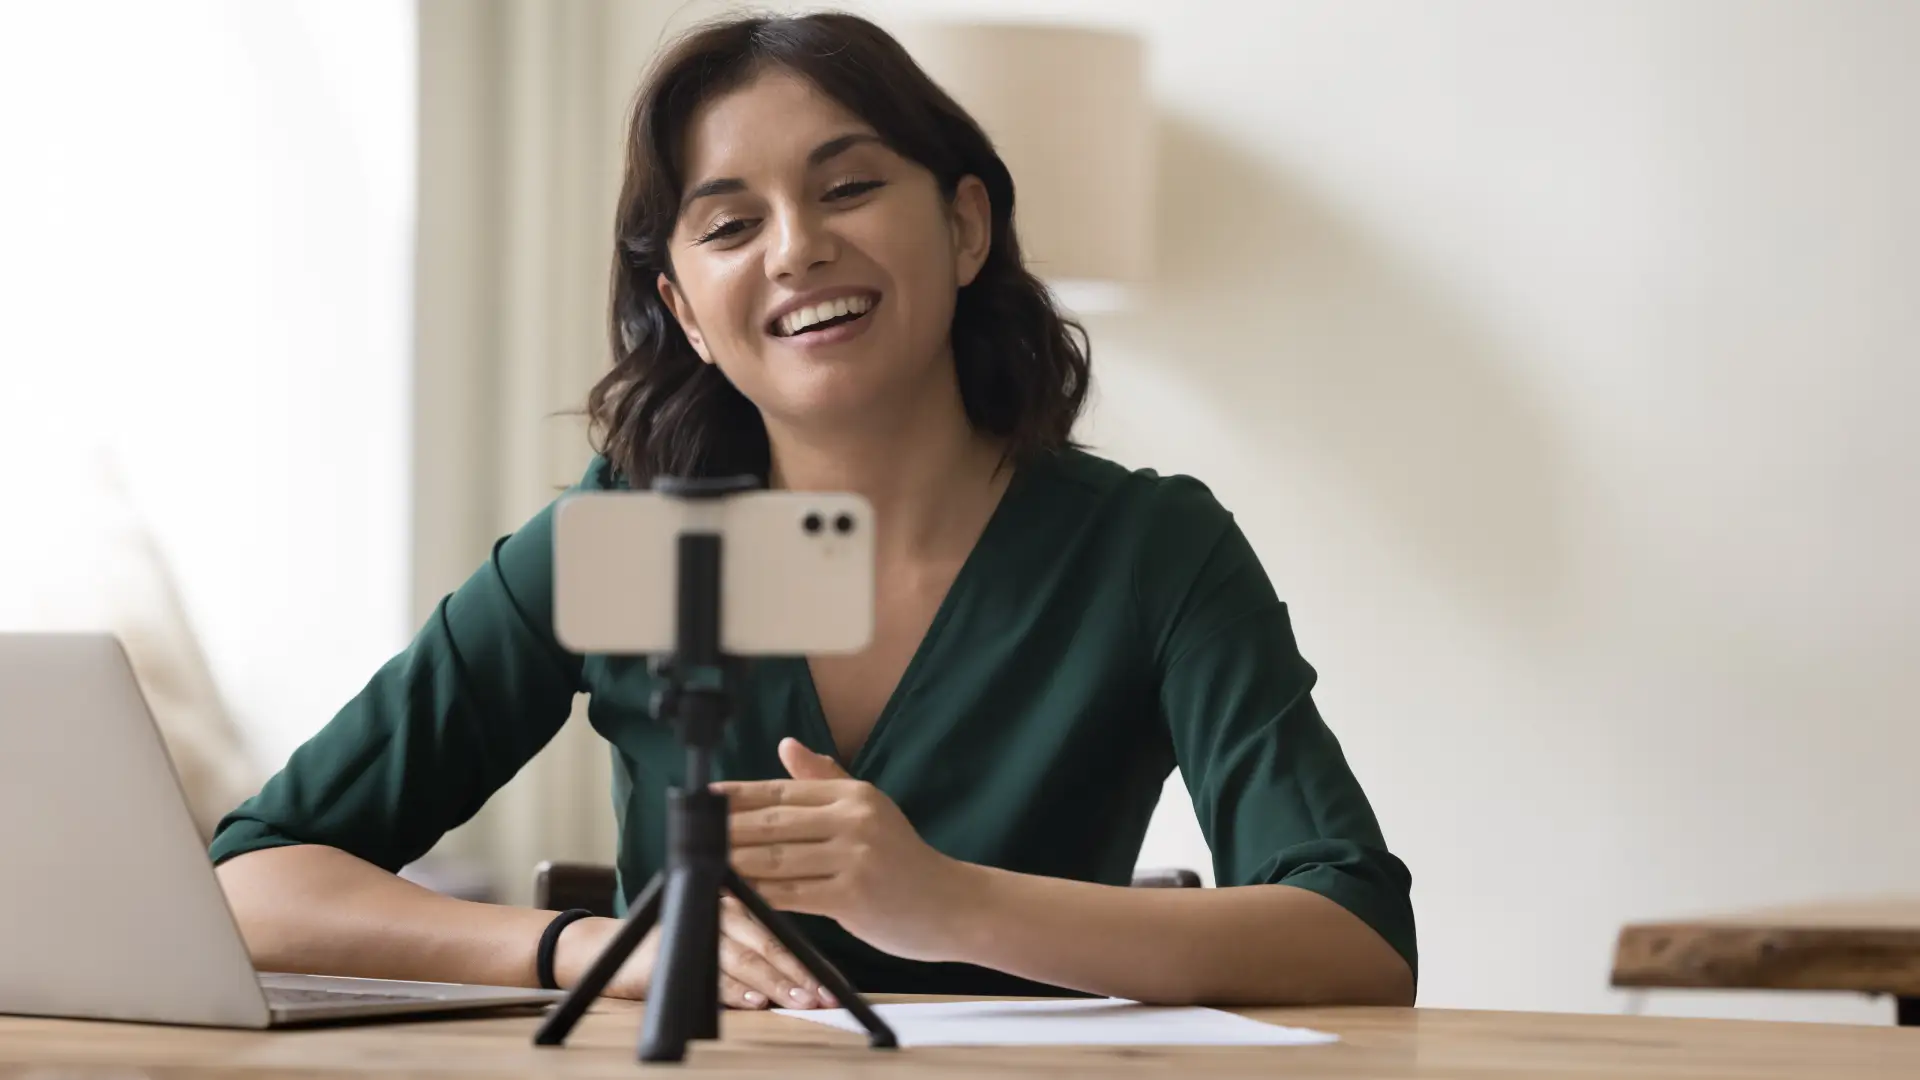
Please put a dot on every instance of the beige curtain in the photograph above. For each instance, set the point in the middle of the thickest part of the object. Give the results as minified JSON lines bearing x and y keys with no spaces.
{"x":522,"y":109}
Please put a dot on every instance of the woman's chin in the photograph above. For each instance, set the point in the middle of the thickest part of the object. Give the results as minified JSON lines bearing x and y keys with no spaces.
{"x":839,"y":406}
{"x":857,"y":387}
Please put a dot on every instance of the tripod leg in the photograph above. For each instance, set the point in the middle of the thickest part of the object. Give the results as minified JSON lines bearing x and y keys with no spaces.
{"x":879,"y":1035}
{"x":646,"y":907}
{"x":683,"y":998}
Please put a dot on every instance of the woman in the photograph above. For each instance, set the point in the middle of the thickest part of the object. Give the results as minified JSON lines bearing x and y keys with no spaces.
{"x":818,"y":282}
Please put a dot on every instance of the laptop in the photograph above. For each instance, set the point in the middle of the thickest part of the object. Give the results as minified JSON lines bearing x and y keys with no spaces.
{"x":109,"y":906}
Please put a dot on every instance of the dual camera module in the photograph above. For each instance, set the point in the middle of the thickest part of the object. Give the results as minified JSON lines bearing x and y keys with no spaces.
{"x":813,"y":523}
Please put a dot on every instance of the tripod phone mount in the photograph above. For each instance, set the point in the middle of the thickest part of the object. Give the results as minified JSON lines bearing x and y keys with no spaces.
{"x":683,"y":998}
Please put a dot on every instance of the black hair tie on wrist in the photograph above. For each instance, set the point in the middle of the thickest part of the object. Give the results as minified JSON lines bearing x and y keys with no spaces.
{"x":543,"y":957}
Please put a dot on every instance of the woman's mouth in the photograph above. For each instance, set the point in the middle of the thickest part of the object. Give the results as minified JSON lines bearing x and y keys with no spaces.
{"x":824,"y":316}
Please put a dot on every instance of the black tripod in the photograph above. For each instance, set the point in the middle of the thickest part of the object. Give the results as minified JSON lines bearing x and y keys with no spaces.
{"x":683,"y":999}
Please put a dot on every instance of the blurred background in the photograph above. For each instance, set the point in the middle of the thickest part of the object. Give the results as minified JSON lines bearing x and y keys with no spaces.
{"x":1560,"y":360}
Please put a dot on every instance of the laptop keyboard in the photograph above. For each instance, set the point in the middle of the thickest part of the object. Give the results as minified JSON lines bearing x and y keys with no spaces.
{"x":283,"y":995}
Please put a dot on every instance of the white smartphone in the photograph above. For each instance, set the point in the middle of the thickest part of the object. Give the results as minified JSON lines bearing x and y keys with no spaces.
{"x":796,"y":571}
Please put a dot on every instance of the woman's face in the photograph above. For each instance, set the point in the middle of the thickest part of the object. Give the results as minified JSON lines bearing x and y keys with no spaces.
{"x":817,"y":268}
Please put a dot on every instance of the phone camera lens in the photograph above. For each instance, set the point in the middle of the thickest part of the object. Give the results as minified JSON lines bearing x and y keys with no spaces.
{"x":843,"y":524}
{"x":811,"y":523}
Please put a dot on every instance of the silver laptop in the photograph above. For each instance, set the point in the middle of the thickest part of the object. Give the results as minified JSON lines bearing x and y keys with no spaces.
{"x":109,"y":906}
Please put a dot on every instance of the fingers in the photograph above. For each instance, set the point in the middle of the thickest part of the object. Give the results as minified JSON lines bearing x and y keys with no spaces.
{"x":807,"y":896}
{"x":738,"y":995}
{"x":776,"y":861}
{"x":763,"y":971}
{"x":756,"y":974}
{"x":750,"y":932}
{"x":782,"y":823}
{"x":804,"y":764}
{"x":754,"y":794}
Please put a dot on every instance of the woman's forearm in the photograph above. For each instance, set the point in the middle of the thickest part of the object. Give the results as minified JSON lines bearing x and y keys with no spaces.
{"x":1255,"y":944}
{"x":321,"y":911}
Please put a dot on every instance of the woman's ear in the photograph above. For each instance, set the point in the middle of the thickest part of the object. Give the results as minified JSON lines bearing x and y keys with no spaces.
{"x":682,"y":312}
{"x":972,"y":229}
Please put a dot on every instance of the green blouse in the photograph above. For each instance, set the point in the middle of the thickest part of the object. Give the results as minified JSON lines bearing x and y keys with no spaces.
{"x":1109,"y":626}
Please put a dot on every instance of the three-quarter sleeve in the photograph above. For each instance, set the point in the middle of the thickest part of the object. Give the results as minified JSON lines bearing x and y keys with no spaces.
{"x":1270,"y":785}
{"x":437,"y":730}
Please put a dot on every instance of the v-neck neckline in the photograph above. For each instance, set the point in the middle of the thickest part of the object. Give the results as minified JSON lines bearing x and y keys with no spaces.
{"x":969,"y":569}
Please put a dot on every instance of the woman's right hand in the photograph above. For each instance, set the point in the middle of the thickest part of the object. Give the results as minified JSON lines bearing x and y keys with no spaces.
{"x":756,"y":971}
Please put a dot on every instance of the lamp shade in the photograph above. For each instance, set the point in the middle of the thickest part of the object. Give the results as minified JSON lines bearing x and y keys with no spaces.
{"x":1067,"y":109}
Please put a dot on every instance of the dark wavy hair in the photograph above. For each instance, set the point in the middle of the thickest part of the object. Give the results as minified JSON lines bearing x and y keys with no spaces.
{"x":1022,"y":365}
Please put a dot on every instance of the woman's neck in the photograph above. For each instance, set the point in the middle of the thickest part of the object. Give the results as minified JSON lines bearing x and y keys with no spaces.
{"x":933,"y":481}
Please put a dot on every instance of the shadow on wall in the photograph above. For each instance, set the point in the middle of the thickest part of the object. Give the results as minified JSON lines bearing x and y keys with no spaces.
{"x":1304,"y":334}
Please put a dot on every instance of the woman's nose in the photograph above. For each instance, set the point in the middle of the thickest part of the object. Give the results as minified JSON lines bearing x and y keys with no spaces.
{"x":800,"y":243}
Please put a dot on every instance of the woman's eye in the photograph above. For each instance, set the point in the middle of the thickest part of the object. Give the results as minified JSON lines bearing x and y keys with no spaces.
{"x":852,"y":188}
{"x":720,"y":230}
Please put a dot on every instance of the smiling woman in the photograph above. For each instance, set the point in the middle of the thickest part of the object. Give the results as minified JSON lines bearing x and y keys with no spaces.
{"x":817,"y":281}
{"x":769,"y":175}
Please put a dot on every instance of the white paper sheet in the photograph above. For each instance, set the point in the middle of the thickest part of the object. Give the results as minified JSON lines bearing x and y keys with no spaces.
{"x":1067,"y":1022}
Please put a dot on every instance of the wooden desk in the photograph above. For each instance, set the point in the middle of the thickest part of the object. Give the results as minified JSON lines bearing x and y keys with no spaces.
{"x":1865,"y":946}
{"x":1378,"y":1043}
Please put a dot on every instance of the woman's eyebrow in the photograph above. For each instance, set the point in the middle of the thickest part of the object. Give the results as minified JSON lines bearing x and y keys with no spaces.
{"x":819,"y":155}
{"x":838,"y":145}
{"x":722,"y":185}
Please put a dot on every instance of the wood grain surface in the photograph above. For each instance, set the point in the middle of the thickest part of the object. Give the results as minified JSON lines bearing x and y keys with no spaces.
{"x":1377,"y":1043}
{"x":1868,"y":946}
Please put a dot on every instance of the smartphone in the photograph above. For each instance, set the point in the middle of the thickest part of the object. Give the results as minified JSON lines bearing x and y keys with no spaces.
{"x":796,"y":571}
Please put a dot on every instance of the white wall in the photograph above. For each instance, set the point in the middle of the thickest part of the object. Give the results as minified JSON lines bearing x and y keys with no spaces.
{"x":206,"y":210}
{"x":1561,"y":361}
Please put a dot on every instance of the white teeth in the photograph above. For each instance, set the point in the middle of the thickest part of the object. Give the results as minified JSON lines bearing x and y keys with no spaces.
{"x":795,"y":321}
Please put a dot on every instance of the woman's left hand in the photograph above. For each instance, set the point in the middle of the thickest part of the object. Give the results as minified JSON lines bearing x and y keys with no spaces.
{"x":824,"y":843}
